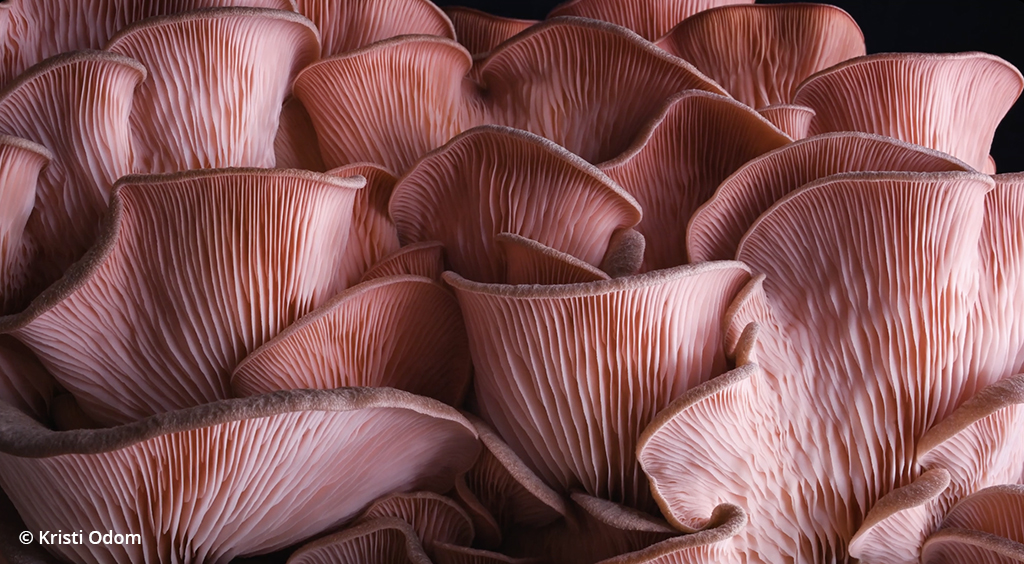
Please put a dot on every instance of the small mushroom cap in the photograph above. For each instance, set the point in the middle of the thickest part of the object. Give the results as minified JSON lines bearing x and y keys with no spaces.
{"x":530,"y":262}
{"x":21,"y":161}
{"x":348,"y":25}
{"x":233,"y":98}
{"x":421,"y":259}
{"x":949,"y":102}
{"x":383,"y":540}
{"x":985,"y":527}
{"x":234,"y":477}
{"x":373,"y":234}
{"x":435,"y":518}
{"x":388,"y":103}
{"x":711,"y":545}
{"x":569,"y":375}
{"x":716,"y":228}
{"x":676,"y":163}
{"x":792,"y":119}
{"x":507,"y":488}
{"x":495,"y":179}
{"x":402,"y":332}
{"x":761,"y":53}
{"x":77,"y":106}
{"x":480,"y":32}
{"x":650,"y":18}
{"x":173,"y":296}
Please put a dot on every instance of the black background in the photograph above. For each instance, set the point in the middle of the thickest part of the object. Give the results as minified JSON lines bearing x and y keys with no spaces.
{"x":930,"y":26}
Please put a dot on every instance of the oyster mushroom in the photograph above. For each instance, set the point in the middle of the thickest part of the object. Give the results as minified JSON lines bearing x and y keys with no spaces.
{"x":650,"y":18}
{"x":192,"y":272}
{"x":348,"y":25}
{"x":229,"y":478}
{"x":233,"y":99}
{"x":21,"y":161}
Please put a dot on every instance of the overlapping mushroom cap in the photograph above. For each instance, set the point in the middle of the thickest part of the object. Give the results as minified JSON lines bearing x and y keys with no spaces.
{"x":872,"y":327}
{"x":192,"y":272}
{"x":230,"y":478}
{"x":570,"y":374}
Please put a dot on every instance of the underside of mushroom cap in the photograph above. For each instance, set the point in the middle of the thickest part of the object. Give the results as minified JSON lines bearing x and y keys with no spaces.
{"x":985,"y":527}
{"x":792,"y":119}
{"x":192,"y":272}
{"x":389,"y":103}
{"x":373,"y":234}
{"x":230,"y":478}
{"x":21,"y":161}
{"x":494,"y":179}
{"x":679,"y":159}
{"x":650,"y":18}
{"x":347,"y":25}
{"x":570,"y":375}
{"x":232,"y":99}
{"x":421,"y":259}
{"x":862,"y":269}
{"x":435,"y":518}
{"x":574,"y":81}
{"x":530,"y":262}
{"x":384,"y":540}
{"x":710,"y":545}
{"x":24,"y":382}
{"x":718,"y":226}
{"x":84,"y":24}
{"x":296,"y":144}
{"x":480,"y":32}
{"x":949,"y":102}
{"x":402,"y":332}
{"x":761,"y":53}
{"x":77,"y":106}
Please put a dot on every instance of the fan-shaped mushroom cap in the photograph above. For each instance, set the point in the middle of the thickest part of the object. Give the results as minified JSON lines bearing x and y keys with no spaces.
{"x":385,"y":540}
{"x":233,"y":98}
{"x":650,"y":18}
{"x":72,"y":25}
{"x":296,"y":145}
{"x":76,"y":106}
{"x":488,"y":531}
{"x":495,"y":179}
{"x":402,"y":332}
{"x":373,"y":234}
{"x":603,"y":529}
{"x":480,"y":32}
{"x":977,"y":446}
{"x":20,"y":164}
{"x":680,"y":158}
{"x":872,"y":288}
{"x":570,"y":375}
{"x":574,"y":81}
{"x":347,"y":25}
{"x":507,"y":488}
{"x":233,"y":477}
{"x":388,"y":103}
{"x":530,"y":262}
{"x":421,"y":259}
{"x":192,"y":272}
{"x":761,"y":53}
{"x":435,"y":518}
{"x":992,"y":520}
{"x":717,"y":227}
{"x":948,"y":102}
{"x":792,"y":119}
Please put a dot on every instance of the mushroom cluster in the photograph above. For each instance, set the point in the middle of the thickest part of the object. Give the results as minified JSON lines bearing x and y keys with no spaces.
{"x":649,"y":281}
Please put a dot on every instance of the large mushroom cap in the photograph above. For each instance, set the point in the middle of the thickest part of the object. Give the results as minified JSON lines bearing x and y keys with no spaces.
{"x":230,"y":478}
{"x":192,"y":272}
{"x":650,"y":18}
{"x":570,"y":375}
{"x":948,"y":102}
{"x":232,"y":100}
